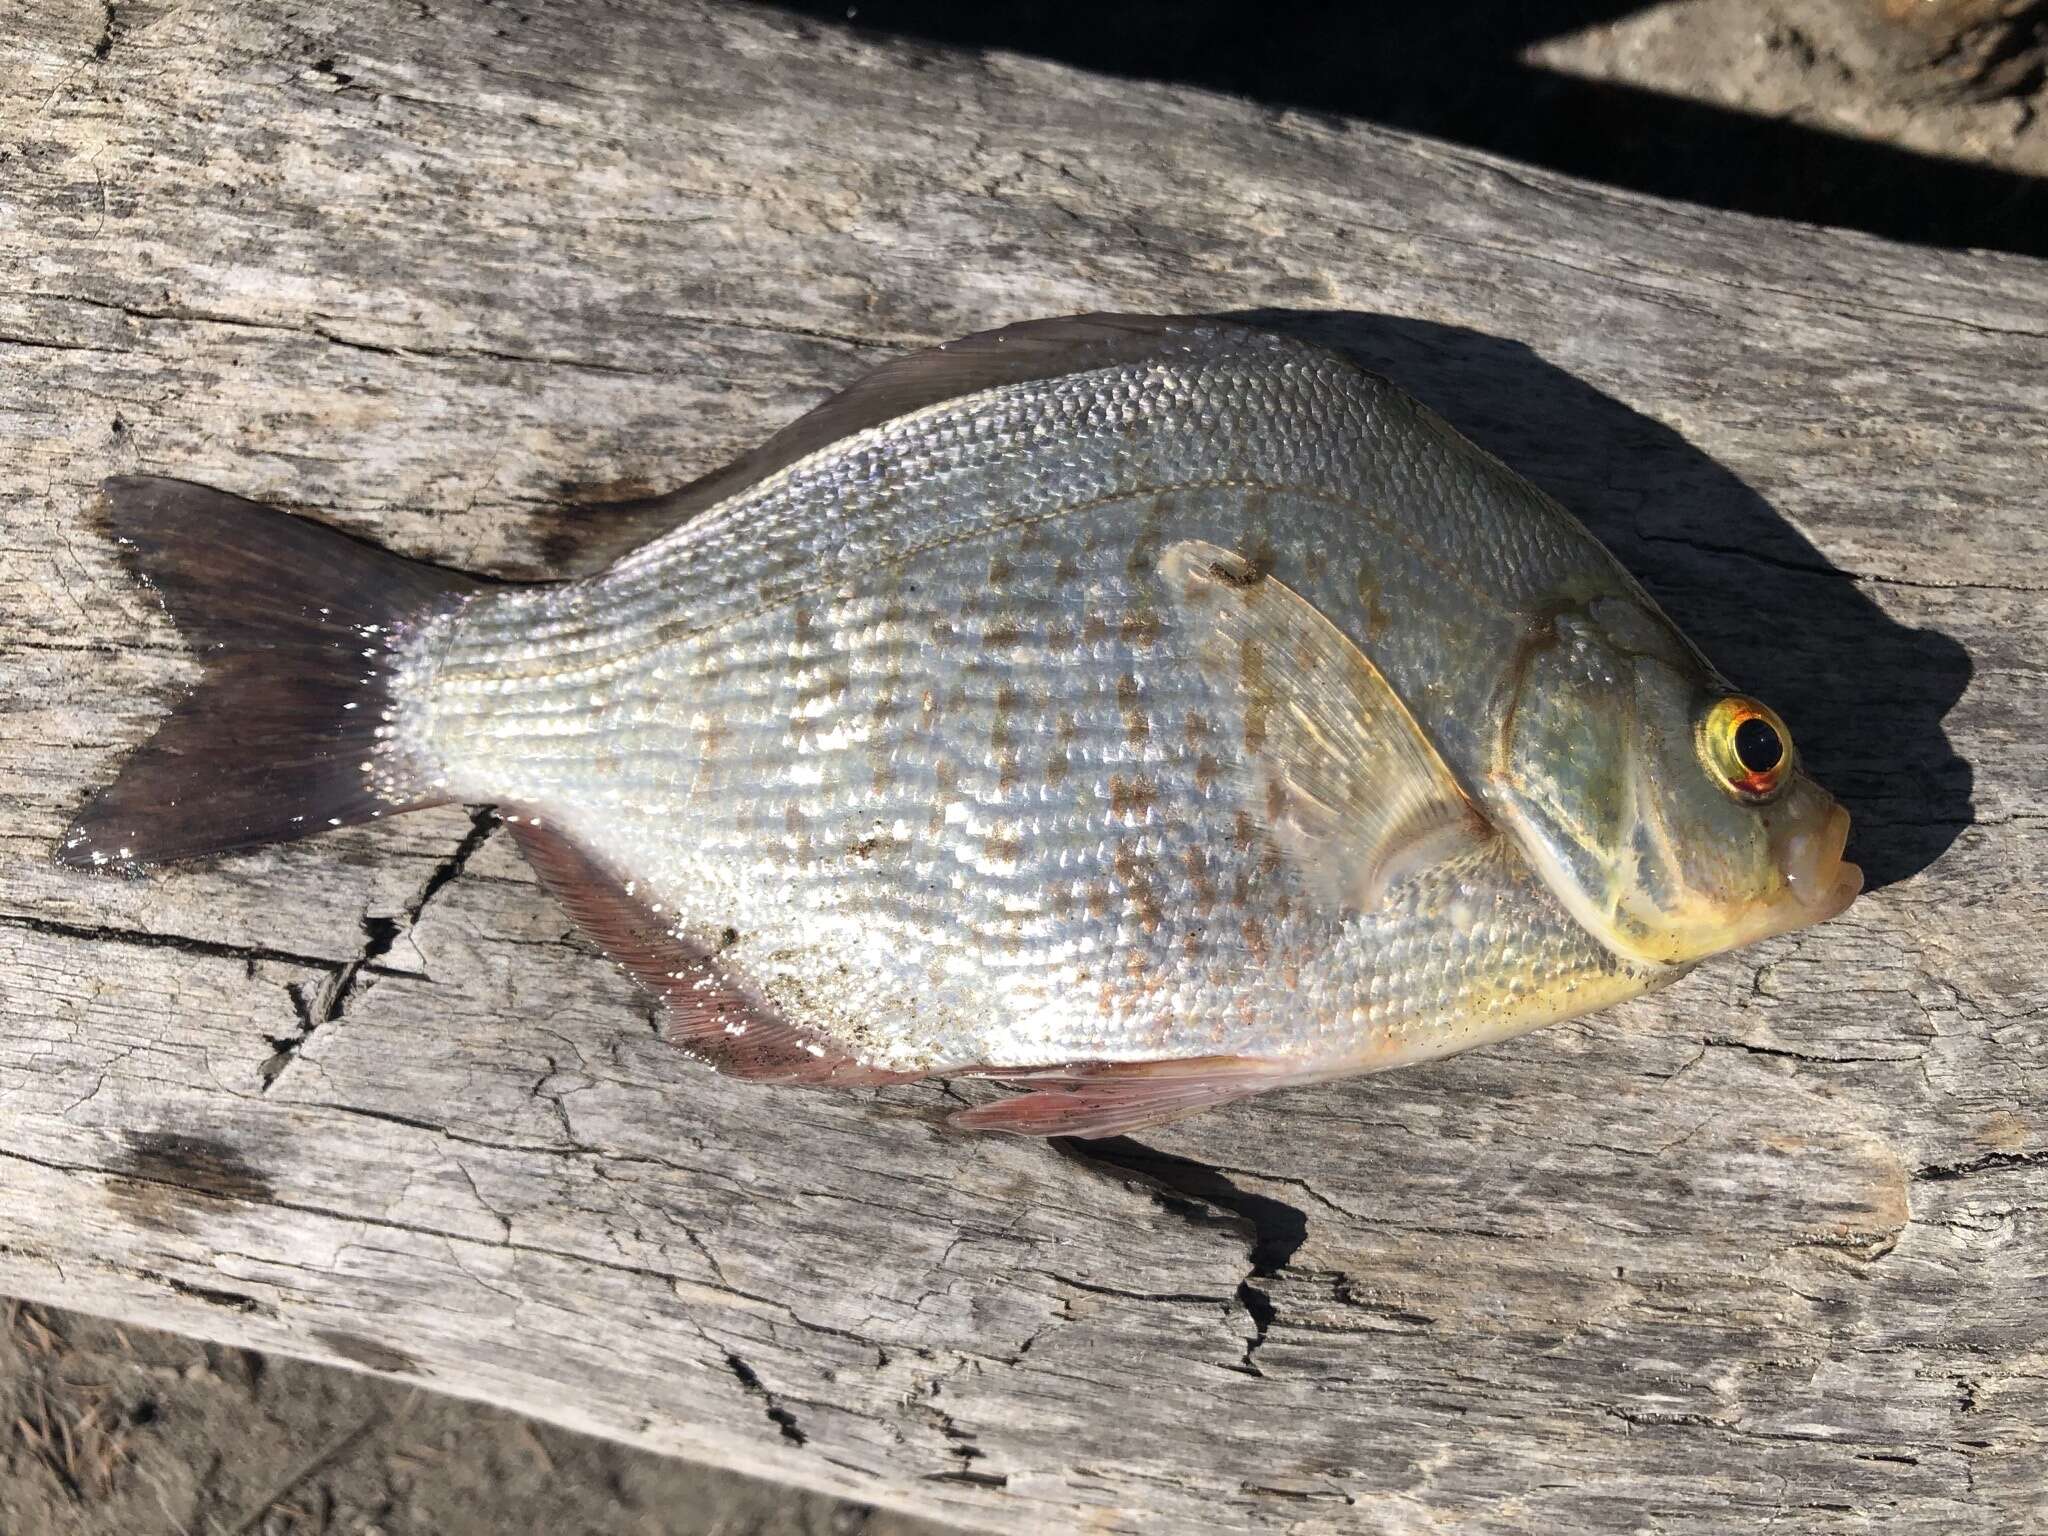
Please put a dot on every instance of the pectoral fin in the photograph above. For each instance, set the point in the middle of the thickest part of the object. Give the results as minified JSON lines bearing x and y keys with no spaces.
{"x":1334,"y":766}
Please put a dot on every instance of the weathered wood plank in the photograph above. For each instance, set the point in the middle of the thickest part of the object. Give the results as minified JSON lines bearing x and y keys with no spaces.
{"x":1767,"y":1247}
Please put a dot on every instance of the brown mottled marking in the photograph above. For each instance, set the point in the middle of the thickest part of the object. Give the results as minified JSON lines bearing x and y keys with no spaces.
{"x":1255,"y":939}
{"x":803,"y":623}
{"x":1369,"y":594}
{"x":1094,"y":629}
{"x":711,"y":746}
{"x":1259,"y":700}
{"x":1133,"y":872}
{"x":1197,"y":728}
{"x":943,"y":773}
{"x":1276,"y":801}
{"x":1255,"y":722}
{"x":1066,"y":569}
{"x":831,"y":683}
{"x":1206,"y":769}
{"x":1009,"y":699}
{"x":1141,"y":630}
{"x":1005,"y":844}
{"x":1241,"y":890}
{"x":999,"y":569}
{"x":1006,"y":631}
{"x":1130,"y":796}
{"x":1130,"y":698}
{"x":797,"y":826}
{"x":1059,"y":639}
{"x":1251,"y":666}
{"x":1243,"y":831}
{"x":1061,"y":899}
{"x":1262,"y":556}
{"x":1196,"y":862}
{"x":1060,"y":762}
{"x":1097,"y":898}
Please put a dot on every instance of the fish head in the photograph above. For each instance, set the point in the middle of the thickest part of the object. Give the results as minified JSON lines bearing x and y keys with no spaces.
{"x":1667,"y":812}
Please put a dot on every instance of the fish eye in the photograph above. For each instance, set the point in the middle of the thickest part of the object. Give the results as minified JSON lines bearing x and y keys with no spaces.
{"x":1746,"y":748}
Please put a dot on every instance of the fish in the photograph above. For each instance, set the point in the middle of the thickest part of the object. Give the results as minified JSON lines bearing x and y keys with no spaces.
{"x":1138,"y":712}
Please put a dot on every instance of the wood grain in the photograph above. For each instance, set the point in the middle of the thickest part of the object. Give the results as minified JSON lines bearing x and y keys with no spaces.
{"x":1768,"y":1249}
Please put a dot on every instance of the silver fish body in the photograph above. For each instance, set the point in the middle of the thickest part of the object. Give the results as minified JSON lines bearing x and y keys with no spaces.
{"x":914,"y":720}
{"x":920,"y":751}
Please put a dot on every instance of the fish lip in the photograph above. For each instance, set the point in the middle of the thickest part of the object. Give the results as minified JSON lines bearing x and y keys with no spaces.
{"x":1821,"y":882}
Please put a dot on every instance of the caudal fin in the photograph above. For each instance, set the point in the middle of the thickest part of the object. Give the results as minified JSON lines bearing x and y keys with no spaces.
{"x":299,"y":627}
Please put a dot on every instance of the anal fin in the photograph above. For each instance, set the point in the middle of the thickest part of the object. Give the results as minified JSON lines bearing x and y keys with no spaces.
{"x":713,"y":1013}
{"x":1093,"y":1099}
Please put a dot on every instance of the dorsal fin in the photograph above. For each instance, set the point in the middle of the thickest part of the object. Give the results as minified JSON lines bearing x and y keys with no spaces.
{"x":1012,"y":354}
{"x":1335,"y":768}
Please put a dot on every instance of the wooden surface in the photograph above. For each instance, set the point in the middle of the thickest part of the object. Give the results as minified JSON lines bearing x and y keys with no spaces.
{"x":1768,"y":1249}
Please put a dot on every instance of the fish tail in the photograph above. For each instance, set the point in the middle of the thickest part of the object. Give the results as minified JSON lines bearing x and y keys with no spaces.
{"x":301,"y":630}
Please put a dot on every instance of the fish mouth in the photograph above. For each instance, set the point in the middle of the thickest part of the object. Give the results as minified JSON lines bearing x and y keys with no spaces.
{"x":1821,"y":882}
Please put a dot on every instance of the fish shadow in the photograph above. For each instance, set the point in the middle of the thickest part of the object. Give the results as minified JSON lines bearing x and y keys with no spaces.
{"x":1865,"y":696}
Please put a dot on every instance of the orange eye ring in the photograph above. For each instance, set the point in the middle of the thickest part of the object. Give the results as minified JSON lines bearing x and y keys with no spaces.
{"x":1746,"y":748}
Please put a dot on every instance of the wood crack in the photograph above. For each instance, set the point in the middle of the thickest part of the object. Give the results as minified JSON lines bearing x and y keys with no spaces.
{"x":380,"y":935}
{"x":1199,"y":1193}
{"x":184,"y":316}
{"x":1989,"y":1162}
{"x":94,"y":933}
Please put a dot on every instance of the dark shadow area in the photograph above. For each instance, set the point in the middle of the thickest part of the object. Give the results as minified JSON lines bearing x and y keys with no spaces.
{"x":1865,"y":696}
{"x":1452,"y":71}
{"x":1198,"y":1194}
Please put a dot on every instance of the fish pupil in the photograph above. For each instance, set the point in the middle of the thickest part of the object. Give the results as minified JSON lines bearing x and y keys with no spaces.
{"x":1757,"y":746}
